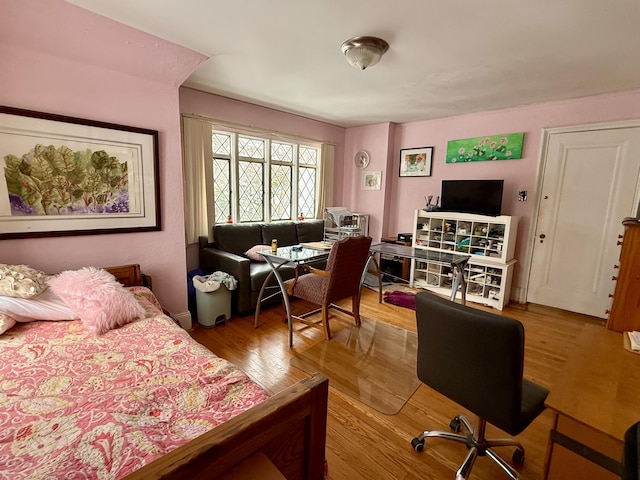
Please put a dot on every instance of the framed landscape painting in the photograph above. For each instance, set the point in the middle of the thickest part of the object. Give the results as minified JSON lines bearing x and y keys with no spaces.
{"x":71,"y":176}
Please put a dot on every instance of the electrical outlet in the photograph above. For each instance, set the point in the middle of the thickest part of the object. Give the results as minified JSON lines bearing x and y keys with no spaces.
{"x":522,"y":196}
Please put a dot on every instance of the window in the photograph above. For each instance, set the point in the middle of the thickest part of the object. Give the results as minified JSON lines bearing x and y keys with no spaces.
{"x":258,"y":179}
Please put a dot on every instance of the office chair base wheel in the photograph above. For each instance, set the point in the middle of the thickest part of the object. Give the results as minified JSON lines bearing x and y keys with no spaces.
{"x":518,"y":457}
{"x":417,"y":444}
{"x":454,"y":425}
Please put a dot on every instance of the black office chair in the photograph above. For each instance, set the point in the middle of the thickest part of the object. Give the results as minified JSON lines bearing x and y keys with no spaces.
{"x":476,"y":358}
{"x":630,"y":453}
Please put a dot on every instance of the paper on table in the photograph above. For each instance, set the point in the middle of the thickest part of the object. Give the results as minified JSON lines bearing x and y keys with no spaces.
{"x":317,"y":245}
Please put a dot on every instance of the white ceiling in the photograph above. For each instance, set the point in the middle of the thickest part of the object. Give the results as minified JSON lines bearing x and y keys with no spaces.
{"x":446,"y":57}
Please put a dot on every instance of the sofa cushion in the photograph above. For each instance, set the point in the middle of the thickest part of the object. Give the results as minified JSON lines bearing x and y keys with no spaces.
{"x":237,"y":237}
{"x":284,"y":232}
{"x":310,"y":231}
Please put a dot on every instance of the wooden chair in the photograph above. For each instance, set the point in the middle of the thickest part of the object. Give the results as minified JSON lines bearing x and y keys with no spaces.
{"x":341,"y":279}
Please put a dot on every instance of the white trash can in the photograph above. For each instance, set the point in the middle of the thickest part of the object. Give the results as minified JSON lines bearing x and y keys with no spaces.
{"x":213,"y":301}
{"x":214,"y":308}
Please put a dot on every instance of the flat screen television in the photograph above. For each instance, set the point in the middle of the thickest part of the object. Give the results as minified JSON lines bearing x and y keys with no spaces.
{"x":482,"y":197}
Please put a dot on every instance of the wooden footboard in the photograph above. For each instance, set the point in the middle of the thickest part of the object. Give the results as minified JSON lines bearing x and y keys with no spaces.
{"x":288,"y":428}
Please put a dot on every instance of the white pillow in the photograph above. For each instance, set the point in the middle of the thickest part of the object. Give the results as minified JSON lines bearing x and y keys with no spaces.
{"x":46,"y":306}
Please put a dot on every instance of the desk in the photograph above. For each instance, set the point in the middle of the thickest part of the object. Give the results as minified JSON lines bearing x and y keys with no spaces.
{"x":284,"y":256}
{"x":457,"y":261}
{"x":394,"y":263}
{"x":596,"y":398}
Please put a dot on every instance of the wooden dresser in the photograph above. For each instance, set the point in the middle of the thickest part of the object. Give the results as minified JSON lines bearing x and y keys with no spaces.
{"x":625,"y":310}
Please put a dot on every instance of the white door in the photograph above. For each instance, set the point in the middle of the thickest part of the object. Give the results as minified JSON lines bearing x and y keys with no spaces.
{"x":590,"y":182}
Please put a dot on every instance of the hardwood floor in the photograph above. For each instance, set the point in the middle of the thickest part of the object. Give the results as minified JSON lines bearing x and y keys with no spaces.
{"x":365,"y":444}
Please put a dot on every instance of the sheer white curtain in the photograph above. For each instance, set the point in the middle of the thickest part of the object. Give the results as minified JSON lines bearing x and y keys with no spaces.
{"x":198,"y":168}
{"x":326,"y":179}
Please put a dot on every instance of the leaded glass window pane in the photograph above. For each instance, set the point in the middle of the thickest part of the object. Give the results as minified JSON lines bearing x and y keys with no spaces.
{"x":307,"y":191}
{"x":282,"y":152}
{"x":221,"y":189}
{"x":281,"y":192}
{"x":221,"y":144}
{"x":251,"y":205}
{"x":250,"y":147}
{"x":308,"y":155}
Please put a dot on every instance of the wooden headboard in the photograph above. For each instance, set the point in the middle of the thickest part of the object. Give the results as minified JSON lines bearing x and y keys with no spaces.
{"x":128,"y":275}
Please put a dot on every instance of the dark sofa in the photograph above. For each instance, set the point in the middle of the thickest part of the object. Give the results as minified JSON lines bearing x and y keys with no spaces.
{"x":232,"y":240}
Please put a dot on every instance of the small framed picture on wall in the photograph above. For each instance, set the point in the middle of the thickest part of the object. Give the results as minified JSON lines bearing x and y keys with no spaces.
{"x":416,"y":162}
{"x":371,"y":180}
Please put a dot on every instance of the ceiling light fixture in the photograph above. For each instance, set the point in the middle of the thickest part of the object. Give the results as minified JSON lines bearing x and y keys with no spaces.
{"x":363,"y":52}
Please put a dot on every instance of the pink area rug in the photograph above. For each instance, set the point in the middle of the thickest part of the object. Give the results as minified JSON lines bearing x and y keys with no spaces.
{"x":401,"y":299}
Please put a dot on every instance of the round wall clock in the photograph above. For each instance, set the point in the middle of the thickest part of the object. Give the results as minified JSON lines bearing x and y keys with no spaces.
{"x":361,"y":159}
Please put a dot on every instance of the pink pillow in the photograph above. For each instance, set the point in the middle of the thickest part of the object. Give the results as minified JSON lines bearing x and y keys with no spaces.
{"x":252,"y":253}
{"x":97,"y":298}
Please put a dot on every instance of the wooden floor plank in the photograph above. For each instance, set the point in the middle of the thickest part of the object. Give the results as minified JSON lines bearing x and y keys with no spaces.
{"x":365,"y":444}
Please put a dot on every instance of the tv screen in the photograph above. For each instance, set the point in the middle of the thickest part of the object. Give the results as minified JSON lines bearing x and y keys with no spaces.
{"x":483,"y":197}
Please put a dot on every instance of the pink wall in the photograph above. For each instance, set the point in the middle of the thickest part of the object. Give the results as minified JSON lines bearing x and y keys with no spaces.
{"x":376,"y":140}
{"x":407,"y":194}
{"x":61,"y":59}
{"x":220,"y":108}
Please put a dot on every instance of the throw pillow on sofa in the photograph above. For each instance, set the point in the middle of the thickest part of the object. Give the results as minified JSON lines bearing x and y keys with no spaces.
{"x":253,"y":254}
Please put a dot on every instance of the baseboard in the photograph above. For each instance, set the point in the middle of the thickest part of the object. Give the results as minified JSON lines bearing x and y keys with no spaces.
{"x":518,"y":295}
{"x":184,"y":319}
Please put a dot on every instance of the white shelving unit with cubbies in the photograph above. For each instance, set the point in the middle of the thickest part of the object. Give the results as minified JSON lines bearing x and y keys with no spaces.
{"x":489,"y":240}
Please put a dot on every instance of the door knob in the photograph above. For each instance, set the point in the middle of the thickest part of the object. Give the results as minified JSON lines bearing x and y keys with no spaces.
{"x":542,"y":235}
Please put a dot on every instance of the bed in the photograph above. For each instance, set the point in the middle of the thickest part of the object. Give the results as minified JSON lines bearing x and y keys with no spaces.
{"x":144,"y":400}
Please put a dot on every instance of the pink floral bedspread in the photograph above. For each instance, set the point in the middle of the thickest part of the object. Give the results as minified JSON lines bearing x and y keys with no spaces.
{"x":78,"y":406}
